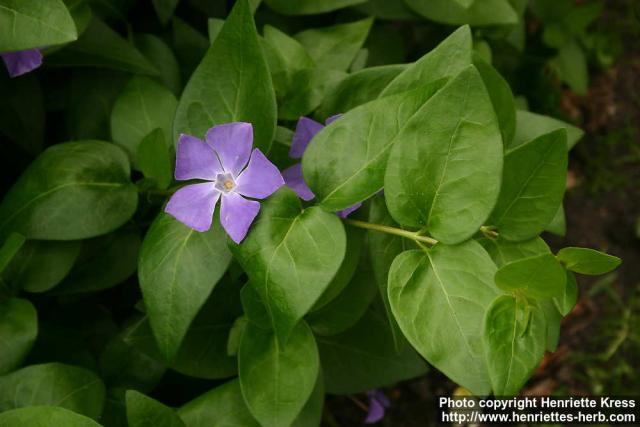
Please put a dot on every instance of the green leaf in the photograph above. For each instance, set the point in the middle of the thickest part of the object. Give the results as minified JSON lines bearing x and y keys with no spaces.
{"x":449,"y":58}
{"x":384,"y":9}
{"x":533,"y":184}
{"x":18,"y":330}
{"x":276,"y":257}
{"x":154,"y":159}
{"x":100,"y":46}
{"x":504,"y":252}
{"x":447,"y":159}
{"x":104,"y":262}
{"x":335,"y":47}
{"x":10,"y":248}
{"x":439,"y":298}
{"x":143,"y":106}
{"x":364,"y":357}
{"x":538,"y":276}
{"x":308,"y":88}
{"x":71,"y":191}
{"x":178,"y":268}
{"x":254,"y":308}
{"x":66,"y":386}
{"x":223,"y":406}
{"x":41,"y":265}
{"x":285,"y":56}
{"x":531,"y":126}
{"x":349,"y":306}
{"x":358,"y":88}
{"x":189,"y":45}
{"x":309,"y":7}
{"x":162,"y":58}
{"x":35,"y":23}
{"x":552,"y":322}
{"x":501,"y":98}
{"x":311,"y":414}
{"x":214,"y":25}
{"x":572,"y":68}
{"x":44,"y":416}
{"x":345,"y":162}
{"x":588,"y":261}
{"x":143,"y":411}
{"x":569,"y":298}
{"x":22,"y":112}
{"x":558,"y":224}
{"x":480,"y":13}
{"x":276,"y":379}
{"x":232,"y":83}
{"x":514,"y":340}
{"x":165,"y":9}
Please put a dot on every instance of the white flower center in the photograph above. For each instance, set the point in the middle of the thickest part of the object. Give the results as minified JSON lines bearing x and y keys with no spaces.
{"x":225,"y":182}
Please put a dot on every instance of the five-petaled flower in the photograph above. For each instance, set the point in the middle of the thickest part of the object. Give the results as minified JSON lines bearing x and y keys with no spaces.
{"x":231,"y":171}
{"x":306,"y":129}
{"x":22,"y":62}
{"x":378,"y":403}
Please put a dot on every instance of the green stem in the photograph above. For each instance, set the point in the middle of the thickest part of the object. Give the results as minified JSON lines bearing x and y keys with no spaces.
{"x":392,"y":230}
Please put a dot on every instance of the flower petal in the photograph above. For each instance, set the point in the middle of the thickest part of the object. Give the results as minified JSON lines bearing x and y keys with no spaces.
{"x":232,"y":142}
{"x":345,"y":212}
{"x":193,"y":205}
{"x":306,"y":129}
{"x":237,"y":214}
{"x":196,"y":160}
{"x":22,"y":62}
{"x":376,"y":412}
{"x":260,"y":179}
{"x":332,"y":119}
{"x":293,"y":178}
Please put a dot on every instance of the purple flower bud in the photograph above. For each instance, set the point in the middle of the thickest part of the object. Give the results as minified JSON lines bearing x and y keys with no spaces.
{"x":378,"y":403}
{"x":22,"y":62}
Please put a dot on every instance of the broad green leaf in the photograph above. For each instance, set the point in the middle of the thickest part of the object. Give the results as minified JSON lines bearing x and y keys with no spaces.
{"x":189,"y":45}
{"x":558,"y":224}
{"x":480,"y":13}
{"x":501,"y":99}
{"x":162,"y":58}
{"x":18,"y":330}
{"x":214,"y":25}
{"x":538,"y":276}
{"x":34,"y":23}
{"x":349,"y":306}
{"x":345,"y":162}
{"x":143,"y":411}
{"x":92,"y":95}
{"x":55,"y":384}
{"x":588,"y":261}
{"x":41,"y":265}
{"x":504,"y":252}
{"x":353,"y":251}
{"x":439,"y":298}
{"x":383,"y":249}
{"x":552,"y":318}
{"x":71,"y":191}
{"x":572,"y":68}
{"x":450,"y":57}
{"x":309,"y":7}
{"x":514,"y":341}
{"x":533,"y":184}
{"x":104,"y":262}
{"x":254,"y":308}
{"x":311,"y":414}
{"x":364,"y":357}
{"x":22,"y":112}
{"x":335,"y":47}
{"x":448,"y":158}
{"x":178,"y":268}
{"x":531,"y":126}
{"x":10,"y":248}
{"x":154,"y":159}
{"x":100,"y":46}
{"x":285,"y":56}
{"x":44,"y":416}
{"x":308,"y":88}
{"x":358,"y":88}
{"x":221,"y":407}
{"x":232,"y":83}
{"x":275,"y":255}
{"x":143,"y":106}
{"x":277,"y":379}
{"x":164,"y":9}
{"x":569,"y":298}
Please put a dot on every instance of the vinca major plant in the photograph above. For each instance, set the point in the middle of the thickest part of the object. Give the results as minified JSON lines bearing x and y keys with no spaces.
{"x":286,"y":226}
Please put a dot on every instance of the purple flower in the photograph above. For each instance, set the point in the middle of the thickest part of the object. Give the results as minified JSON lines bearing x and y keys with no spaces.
{"x":378,"y":403}
{"x":22,"y":62}
{"x":231,"y":170}
{"x":306,"y":129}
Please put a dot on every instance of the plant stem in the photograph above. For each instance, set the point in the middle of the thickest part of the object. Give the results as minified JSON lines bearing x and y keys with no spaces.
{"x":392,"y":230}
